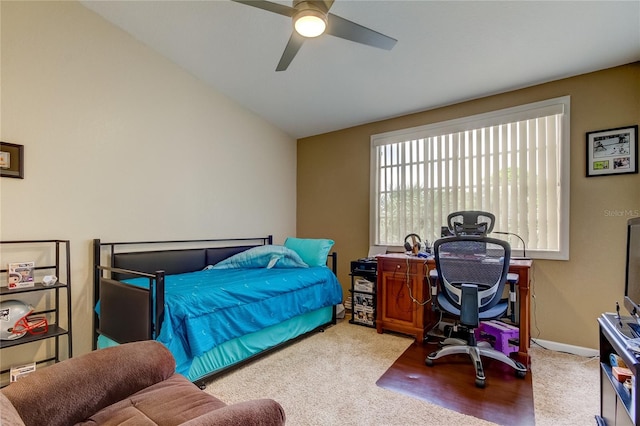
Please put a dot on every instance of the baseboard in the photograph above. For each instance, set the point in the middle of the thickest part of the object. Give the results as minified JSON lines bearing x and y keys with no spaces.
{"x":563,"y":347}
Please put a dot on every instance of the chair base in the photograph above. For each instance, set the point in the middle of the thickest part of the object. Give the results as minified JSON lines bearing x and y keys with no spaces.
{"x":475,"y":353}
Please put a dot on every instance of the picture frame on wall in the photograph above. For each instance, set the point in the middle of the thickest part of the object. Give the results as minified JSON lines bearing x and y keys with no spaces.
{"x":612,"y":151}
{"x":11,"y":160}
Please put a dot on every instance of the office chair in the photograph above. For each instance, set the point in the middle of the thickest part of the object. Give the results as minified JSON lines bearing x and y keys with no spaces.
{"x":478,"y":222}
{"x":472,"y":273}
{"x":471,"y":222}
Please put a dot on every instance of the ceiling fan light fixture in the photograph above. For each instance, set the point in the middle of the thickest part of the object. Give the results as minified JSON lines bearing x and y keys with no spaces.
{"x":310,"y":23}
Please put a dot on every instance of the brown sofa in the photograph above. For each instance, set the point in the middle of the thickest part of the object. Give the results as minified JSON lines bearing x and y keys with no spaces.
{"x":134,"y":384}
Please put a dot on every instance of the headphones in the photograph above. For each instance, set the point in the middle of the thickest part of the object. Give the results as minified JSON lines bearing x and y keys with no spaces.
{"x":415,"y":245}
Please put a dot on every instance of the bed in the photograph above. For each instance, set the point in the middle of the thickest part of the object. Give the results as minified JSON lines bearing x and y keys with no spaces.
{"x":216,"y":304}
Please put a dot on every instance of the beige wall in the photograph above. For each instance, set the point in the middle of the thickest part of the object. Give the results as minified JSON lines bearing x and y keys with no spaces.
{"x":333,"y":199}
{"x":121,"y":144}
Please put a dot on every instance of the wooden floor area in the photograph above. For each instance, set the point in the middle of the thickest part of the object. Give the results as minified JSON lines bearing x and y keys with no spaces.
{"x":450,"y":383}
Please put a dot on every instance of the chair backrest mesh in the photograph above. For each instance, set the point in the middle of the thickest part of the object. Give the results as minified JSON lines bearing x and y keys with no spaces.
{"x":482,"y":261}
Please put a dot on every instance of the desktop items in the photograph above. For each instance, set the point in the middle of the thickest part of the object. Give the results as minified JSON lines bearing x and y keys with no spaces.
{"x":414,"y":245}
{"x":524,"y":246}
{"x":445,"y":232}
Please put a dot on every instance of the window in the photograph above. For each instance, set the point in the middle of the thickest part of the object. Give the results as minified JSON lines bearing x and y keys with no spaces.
{"x":513,"y":163}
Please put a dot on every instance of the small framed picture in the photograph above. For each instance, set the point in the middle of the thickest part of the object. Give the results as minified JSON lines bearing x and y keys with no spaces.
{"x":612,"y":151}
{"x":11,"y":160}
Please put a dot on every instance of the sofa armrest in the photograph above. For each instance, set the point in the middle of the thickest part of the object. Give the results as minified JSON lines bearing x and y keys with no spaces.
{"x":257,"y":412}
{"x":72,"y":390}
{"x":8,"y":413}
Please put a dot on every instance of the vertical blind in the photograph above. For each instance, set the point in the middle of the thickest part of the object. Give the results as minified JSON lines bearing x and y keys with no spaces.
{"x":508,"y":163}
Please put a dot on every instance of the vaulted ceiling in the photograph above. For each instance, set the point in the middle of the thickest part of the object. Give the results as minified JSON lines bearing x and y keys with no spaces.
{"x":447,"y":52}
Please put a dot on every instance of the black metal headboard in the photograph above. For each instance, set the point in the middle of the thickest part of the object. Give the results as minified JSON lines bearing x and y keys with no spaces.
{"x":172,"y":261}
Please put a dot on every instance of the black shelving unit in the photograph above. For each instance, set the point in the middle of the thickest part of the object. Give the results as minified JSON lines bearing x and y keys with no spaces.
{"x":618,"y":405}
{"x":59,"y":325}
{"x":363,"y":292}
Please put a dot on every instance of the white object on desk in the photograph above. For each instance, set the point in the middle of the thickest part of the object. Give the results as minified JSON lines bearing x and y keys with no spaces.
{"x":376,"y":250}
{"x":49,"y":280}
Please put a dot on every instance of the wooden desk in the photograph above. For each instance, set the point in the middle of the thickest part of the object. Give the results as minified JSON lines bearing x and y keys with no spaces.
{"x":400,"y":277}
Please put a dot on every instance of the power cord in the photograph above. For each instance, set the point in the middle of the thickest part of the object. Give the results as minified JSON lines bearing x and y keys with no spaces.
{"x":413,"y":299}
{"x":407,"y":280}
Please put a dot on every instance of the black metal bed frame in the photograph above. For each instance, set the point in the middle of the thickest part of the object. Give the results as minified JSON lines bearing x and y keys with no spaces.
{"x":143,"y":309}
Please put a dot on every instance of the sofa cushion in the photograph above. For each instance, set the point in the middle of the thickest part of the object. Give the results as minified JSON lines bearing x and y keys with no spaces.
{"x":256,"y":412}
{"x":171,"y":402}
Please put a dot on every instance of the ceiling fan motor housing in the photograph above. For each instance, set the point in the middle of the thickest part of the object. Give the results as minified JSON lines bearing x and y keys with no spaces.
{"x":320,"y":6}
{"x":310,"y":17}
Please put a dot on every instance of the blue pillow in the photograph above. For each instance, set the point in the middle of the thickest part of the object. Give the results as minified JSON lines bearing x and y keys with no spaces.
{"x":313,"y":251}
{"x":268,"y":256}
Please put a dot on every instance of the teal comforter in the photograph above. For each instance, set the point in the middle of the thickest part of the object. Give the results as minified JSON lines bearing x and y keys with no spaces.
{"x":206,"y":308}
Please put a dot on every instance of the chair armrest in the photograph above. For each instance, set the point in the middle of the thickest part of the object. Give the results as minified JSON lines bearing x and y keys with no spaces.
{"x":257,"y":412}
{"x":72,"y":390}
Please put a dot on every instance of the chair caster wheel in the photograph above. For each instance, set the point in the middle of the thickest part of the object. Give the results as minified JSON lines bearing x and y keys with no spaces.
{"x":428,"y":361}
{"x":480,"y":383}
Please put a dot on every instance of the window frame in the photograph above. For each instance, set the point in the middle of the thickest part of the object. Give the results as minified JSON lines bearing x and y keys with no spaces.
{"x":491,"y":118}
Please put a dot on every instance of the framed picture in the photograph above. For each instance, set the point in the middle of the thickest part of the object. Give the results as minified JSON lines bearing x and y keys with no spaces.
{"x":612,"y":151}
{"x":11,"y":160}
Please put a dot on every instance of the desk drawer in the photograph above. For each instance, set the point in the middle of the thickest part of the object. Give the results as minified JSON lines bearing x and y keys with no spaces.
{"x":400,"y":266}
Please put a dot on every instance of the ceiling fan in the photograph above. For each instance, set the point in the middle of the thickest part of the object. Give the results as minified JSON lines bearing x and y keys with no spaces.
{"x":311,"y":18}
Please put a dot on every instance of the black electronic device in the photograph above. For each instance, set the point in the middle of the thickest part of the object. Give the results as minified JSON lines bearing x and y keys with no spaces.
{"x":445,"y":232}
{"x":632,"y":276}
{"x":365,"y":265}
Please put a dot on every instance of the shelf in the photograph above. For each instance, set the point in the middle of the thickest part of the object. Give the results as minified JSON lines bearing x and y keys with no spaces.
{"x":54,"y":331}
{"x":363,"y":292}
{"x":4,"y":291}
{"x":55,"y":305}
{"x":623,"y":393}
{"x":364,"y":324}
{"x":368,"y":272}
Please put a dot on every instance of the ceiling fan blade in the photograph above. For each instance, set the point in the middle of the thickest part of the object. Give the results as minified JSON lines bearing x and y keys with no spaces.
{"x":294,"y":44}
{"x":343,"y":28}
{"x":269,"y":6}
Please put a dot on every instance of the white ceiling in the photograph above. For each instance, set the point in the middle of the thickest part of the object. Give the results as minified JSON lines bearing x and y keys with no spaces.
{"x":447,"y":52}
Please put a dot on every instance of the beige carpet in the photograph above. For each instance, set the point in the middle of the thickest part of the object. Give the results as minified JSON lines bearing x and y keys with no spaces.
{"x":329,"y":379}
